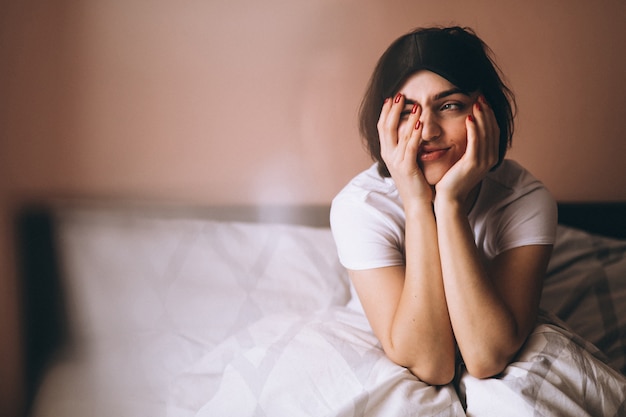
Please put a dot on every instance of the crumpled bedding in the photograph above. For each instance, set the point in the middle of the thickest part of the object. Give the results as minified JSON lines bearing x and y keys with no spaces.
{"x":331,"y":364}
{"x":184,"y":317}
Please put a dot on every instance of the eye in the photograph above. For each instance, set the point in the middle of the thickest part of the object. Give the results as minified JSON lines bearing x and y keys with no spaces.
{"x":404,"y":114}
{"x":452,"y":106}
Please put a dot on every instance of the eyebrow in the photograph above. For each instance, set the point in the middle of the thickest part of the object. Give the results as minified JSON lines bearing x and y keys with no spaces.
{"x":441,"y":95}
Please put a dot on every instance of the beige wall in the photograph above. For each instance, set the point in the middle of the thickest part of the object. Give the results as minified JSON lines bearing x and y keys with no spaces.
{"x":255,"y":101}
{"x":248,"y":101}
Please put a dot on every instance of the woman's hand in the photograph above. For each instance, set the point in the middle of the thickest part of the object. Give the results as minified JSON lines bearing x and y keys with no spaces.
{"x":400,"y":135}
{"x":483,"y":140}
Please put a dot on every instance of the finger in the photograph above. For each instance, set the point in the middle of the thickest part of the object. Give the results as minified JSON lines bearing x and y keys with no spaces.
{"x":488,"y":126}
{"x":407,"y":123}
{"x":495,"y":130}
{"x":415,"y":135}
{"x":390,"y":115}
{"x":386,"y":137}
{"x":393,"y":119}
{"x":485,"y":116}
{"x":470,"y":126}
{"x":481,"y":136}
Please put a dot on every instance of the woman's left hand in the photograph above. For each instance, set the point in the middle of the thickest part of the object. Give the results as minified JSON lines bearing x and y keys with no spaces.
{"x":481,"y":154}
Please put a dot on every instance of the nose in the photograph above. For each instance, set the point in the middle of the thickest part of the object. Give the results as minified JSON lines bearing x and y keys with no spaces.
{"x":431,"y":130}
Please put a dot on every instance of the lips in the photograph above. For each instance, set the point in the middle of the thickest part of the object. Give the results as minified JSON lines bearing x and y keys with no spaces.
{"x":431,"y":154}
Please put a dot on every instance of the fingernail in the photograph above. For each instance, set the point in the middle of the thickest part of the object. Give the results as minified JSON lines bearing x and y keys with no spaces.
{"x":386,"y":100}
{"x":417,"y":125}
{"x":478,"y":106}
{"x":470,"y":117}
{"x":398,"y":97}
{"x":414,"y":109}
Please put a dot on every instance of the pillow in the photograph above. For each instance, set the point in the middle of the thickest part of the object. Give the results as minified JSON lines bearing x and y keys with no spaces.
{"x":148,"y":294}
{"x":128,"y":272}
{"x":586,"y":288}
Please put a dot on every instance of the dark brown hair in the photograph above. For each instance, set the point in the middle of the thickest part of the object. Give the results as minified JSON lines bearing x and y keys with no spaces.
{"x":454,"y":53}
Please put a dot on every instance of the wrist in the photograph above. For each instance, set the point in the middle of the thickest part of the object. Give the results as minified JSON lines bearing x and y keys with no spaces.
{"x":454,"y":202}
{"x":418,"y":208}
{"x":446,"y":205}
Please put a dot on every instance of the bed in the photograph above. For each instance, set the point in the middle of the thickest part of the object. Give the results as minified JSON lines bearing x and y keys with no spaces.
{"x":155,"y":310}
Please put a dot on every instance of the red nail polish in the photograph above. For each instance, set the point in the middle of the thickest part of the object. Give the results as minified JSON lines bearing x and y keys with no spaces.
{"x":417,"y":125}
{"x":479,"y":107}
{"x":386,"y":100}
{"x":470,"y":118}
{"x":398,"y":97}
{"x":414,"y":109}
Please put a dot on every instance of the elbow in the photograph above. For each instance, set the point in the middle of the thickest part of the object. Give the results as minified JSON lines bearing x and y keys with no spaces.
{"x":485,"y":370}
{"x":488,"y":361}
{"x":487,"y":366}
{"x":435,"y":376}
{"x":433,"y":371}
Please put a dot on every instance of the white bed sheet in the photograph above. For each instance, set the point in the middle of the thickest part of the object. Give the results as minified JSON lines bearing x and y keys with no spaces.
{"x":173,"y":317}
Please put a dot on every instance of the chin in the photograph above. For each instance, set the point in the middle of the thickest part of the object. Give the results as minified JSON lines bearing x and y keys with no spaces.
{"x":434,"y":171}
{"x":433,"y":176}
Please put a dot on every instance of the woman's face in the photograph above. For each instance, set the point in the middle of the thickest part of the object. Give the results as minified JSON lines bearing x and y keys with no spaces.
{"x":444,"y":111}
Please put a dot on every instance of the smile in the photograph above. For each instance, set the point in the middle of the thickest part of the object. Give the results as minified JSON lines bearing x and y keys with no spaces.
{"x":431,"y":155}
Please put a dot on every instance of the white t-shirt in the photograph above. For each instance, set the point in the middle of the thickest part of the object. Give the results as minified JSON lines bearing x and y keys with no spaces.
{"x":512,"y":209}
{"x":367,"y":219}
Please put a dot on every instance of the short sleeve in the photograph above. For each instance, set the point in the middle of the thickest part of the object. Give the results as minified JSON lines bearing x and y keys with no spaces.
{"x":366,"y":238}
{"x":529,"y":220}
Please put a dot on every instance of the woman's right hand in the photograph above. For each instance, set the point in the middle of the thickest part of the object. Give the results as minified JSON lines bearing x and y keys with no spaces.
{"x":400,"y":133}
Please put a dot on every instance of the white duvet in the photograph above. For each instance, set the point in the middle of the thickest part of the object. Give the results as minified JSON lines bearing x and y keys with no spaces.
{"x":177,"y":317}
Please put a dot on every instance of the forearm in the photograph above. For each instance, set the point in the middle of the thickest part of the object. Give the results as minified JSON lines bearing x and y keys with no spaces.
{"x":485,"y":328}
{"x":421,"y":333}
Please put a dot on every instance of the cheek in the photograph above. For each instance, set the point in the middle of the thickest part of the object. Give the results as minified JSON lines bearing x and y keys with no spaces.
{"x":458,"y":154}
{"x":460,"y":139}
{"x":463,"y":145}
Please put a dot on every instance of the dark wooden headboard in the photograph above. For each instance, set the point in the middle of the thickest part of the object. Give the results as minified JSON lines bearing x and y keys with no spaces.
{"x":607,"y":218}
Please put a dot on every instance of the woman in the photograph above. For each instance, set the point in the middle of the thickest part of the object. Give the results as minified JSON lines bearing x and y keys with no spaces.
{"x":446,"y":242}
